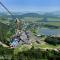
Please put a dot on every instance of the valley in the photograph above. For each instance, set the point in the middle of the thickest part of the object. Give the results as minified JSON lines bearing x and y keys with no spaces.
{"x":32,"y":34}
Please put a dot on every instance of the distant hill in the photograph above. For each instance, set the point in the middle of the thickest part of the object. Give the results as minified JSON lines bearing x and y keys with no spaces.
{"x":22,"y":15}
{"x":31,"y":15}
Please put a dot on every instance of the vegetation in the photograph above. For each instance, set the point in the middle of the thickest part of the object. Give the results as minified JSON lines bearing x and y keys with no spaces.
{"x":28,"y":54}
{"x":33,"y":52}
{"x":5,"y":32}
{"x":6,"y":53}
{"x":53,"y":40}
{"x":36,"y":54}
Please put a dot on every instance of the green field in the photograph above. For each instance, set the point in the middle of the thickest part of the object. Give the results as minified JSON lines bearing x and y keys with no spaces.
{"x":51,"y":21}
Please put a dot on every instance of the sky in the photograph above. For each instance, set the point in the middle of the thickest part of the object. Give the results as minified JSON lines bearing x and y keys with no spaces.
{"x":31,"y":5}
